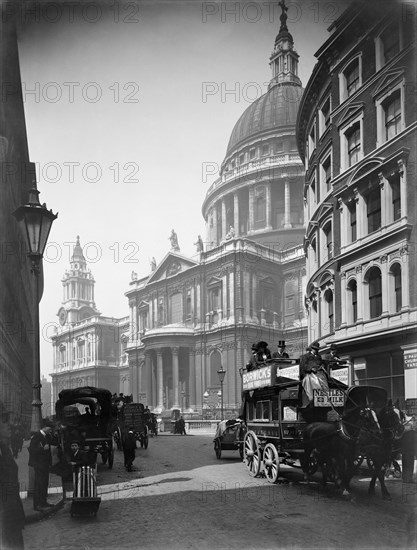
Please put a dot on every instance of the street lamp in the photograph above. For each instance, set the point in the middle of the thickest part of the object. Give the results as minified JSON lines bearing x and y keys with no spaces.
{"x":222,"y":373}
{"x":35,"y":221}
{"x":206,"y":395}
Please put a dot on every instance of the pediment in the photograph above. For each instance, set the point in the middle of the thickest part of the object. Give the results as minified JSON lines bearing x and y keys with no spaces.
{"x":214,"y":281}
{"x":391,"y":78}
{"x":171,"y":265}
{"x":325,"y":209}
{"x":366,"y":169}
{"x":143,"y":305}
{"x":352,"y":111}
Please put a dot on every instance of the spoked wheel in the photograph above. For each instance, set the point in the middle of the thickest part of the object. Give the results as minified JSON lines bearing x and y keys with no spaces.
{"x":252,"y":454}
{"x":217,"y":448}
{"x":271,"y":463}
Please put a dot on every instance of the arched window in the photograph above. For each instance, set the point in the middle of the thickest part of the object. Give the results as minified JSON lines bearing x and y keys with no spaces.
{"x":328,"y":297}
{"x":353,"y":301}
{"x":396,"y":291}
{"x":375,"y":292}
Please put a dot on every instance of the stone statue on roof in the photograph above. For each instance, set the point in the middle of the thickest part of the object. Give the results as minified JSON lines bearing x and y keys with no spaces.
{"x":199,"y":244}
{"x":153,"y":263}
{"x":174,"y":241}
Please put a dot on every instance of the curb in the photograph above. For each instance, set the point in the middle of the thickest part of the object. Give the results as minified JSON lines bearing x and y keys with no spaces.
{"x":36,"y":515}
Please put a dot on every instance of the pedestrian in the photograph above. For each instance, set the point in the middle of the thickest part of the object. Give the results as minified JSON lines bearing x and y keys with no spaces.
{"x":12,"y":516}
{"x":181,"y":426}
{"x":40,"y":458}
{"x":16,"y":440}
{"x":129,"y":449}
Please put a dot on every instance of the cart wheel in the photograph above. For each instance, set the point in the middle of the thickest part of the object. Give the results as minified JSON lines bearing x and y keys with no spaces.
{"x":104,"y":457}
{"x":271,"y":463}
{"x":111,"y":458}
{"x":312,"y":465}
{"x":252,"y":454}
{"x":217,"y":448}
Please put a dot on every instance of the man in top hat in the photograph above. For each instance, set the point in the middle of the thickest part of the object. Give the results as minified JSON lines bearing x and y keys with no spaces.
{"x":40,"y":459}
{"x":281,"y":353}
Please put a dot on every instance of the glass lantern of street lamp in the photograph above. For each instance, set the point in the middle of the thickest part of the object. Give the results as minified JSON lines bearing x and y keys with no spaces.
{"x":222,"y":373}
{"x":35,"y":222}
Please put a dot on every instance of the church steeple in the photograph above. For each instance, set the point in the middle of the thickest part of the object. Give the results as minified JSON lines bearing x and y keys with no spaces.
{"x":284,"y":59}
{"x":78,"y":286}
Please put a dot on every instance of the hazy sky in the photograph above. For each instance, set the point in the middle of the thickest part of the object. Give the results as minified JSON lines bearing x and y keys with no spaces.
{"x":125,"y":104}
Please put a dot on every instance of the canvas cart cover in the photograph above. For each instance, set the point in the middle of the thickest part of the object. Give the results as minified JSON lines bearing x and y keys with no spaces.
{"x":366,"y":396}
{"x":83,"y":395}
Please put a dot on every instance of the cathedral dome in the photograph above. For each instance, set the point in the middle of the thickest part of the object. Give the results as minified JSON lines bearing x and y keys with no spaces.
{"x":276,"y":108}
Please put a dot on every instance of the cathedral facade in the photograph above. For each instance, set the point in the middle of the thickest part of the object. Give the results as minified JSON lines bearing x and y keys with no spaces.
{"x":190,"y":318}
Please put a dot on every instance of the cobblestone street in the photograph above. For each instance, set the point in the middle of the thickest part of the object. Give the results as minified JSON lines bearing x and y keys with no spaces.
{"x":181,"y":496}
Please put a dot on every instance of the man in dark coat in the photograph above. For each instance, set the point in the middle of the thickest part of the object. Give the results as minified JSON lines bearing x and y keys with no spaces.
{"x":311,"y":361}
{"x":260,"y":354}
{"x":12,"y":516}
{"x":312,"y":372}
{"x":129,"y":449}
{"x":40,"y":459}
{"x":331,"y":359}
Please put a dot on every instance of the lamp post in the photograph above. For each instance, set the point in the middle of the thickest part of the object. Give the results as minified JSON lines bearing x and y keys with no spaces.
{"x":206,"y":395}
{"x":222,"y":373}
{"x":35,"y":221}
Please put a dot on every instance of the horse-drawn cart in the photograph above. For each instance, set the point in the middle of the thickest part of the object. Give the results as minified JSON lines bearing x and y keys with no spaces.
{"x":276,"y":419}
{"x":229,"y":437}
{"x":86,"y":416}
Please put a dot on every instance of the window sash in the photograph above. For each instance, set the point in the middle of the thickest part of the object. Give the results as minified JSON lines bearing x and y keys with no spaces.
{"x":354,"y":145}
{"x":352,"y":79}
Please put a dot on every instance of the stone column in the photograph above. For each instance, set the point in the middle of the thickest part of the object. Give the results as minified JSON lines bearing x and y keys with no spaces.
{"x":232,"y":296}
{"x":131,"y":322}
{"x":287,"y":205}
{"x":148,"y":378}
{"x":251,"y":207}
{"x":360,"y":293}
{"x":361,"y":219}
{"x":236,"y":214}
{"x":159,"y":379}
{"x":385,"y":286}
{"x":386,"y":200}
{"x":192,"y":380}
{"x":175,"y":376}
{"x":224,"y":221}
{"x":343,"y":295}
{"x":403,"y":187}
{"x":268,"y":206}
{"x":214,"y":228}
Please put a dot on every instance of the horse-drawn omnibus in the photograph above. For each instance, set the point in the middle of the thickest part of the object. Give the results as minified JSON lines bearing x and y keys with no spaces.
{"x":283,"y":430}
{"x":275,"y":418}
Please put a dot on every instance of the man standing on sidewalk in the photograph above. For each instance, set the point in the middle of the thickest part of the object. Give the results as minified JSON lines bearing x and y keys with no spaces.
{"x":40,"y":459}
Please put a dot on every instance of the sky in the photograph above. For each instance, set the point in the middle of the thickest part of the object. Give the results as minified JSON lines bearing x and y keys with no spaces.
{"x":129,"y":107}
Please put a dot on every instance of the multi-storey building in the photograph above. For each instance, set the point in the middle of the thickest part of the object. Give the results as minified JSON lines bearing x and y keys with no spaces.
{"x":188,"y":318}
{"x":17,"y":176}
{"x":88,"y":348}
{"x":356,"y":133}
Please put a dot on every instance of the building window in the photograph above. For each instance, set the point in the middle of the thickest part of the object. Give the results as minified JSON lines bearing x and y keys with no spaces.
{"x":314,"y":250}
{"x":289,"y":304}
{"x":232,"y":165}
{"x":353,"y":292}
{"x":328,"y":250}
{"x":313,"y":190}
{"x":375,"y":292}
{"x":352,"y":221}
{"x":390,"y":42}
{"x":396,"y":197}
{"x":328,"y":296}
{"x":176,"y":311}
{"x":242,"y":158}
{"x":395,"y":273}
{"x":326,"y":174}
{"x":214,"y":298}
{"x":392,"y":115}
{"x":260,"y":211}
{"x":265,"y":149}
{"x":279,"y":147}
{"x":324,"y":116}
{"x":312,"y":140}
{"x":373,"y":209}
{"x":351,"y":74}
{"x":353,"y":137}
{"x":252,"y":153}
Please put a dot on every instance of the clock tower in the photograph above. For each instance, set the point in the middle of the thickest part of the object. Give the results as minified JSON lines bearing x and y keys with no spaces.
{"x":78,"y":288}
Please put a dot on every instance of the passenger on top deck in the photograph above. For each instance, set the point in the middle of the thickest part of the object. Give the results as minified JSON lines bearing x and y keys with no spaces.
{"x":281,"y":353}
{"x":332,"y":359}
{"x":312,"y":372}
{"x":260,"y":354}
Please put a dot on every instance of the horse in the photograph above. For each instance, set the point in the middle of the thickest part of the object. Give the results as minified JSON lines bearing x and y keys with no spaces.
{"x":376,"y":442}
{"x":333,"y":445}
